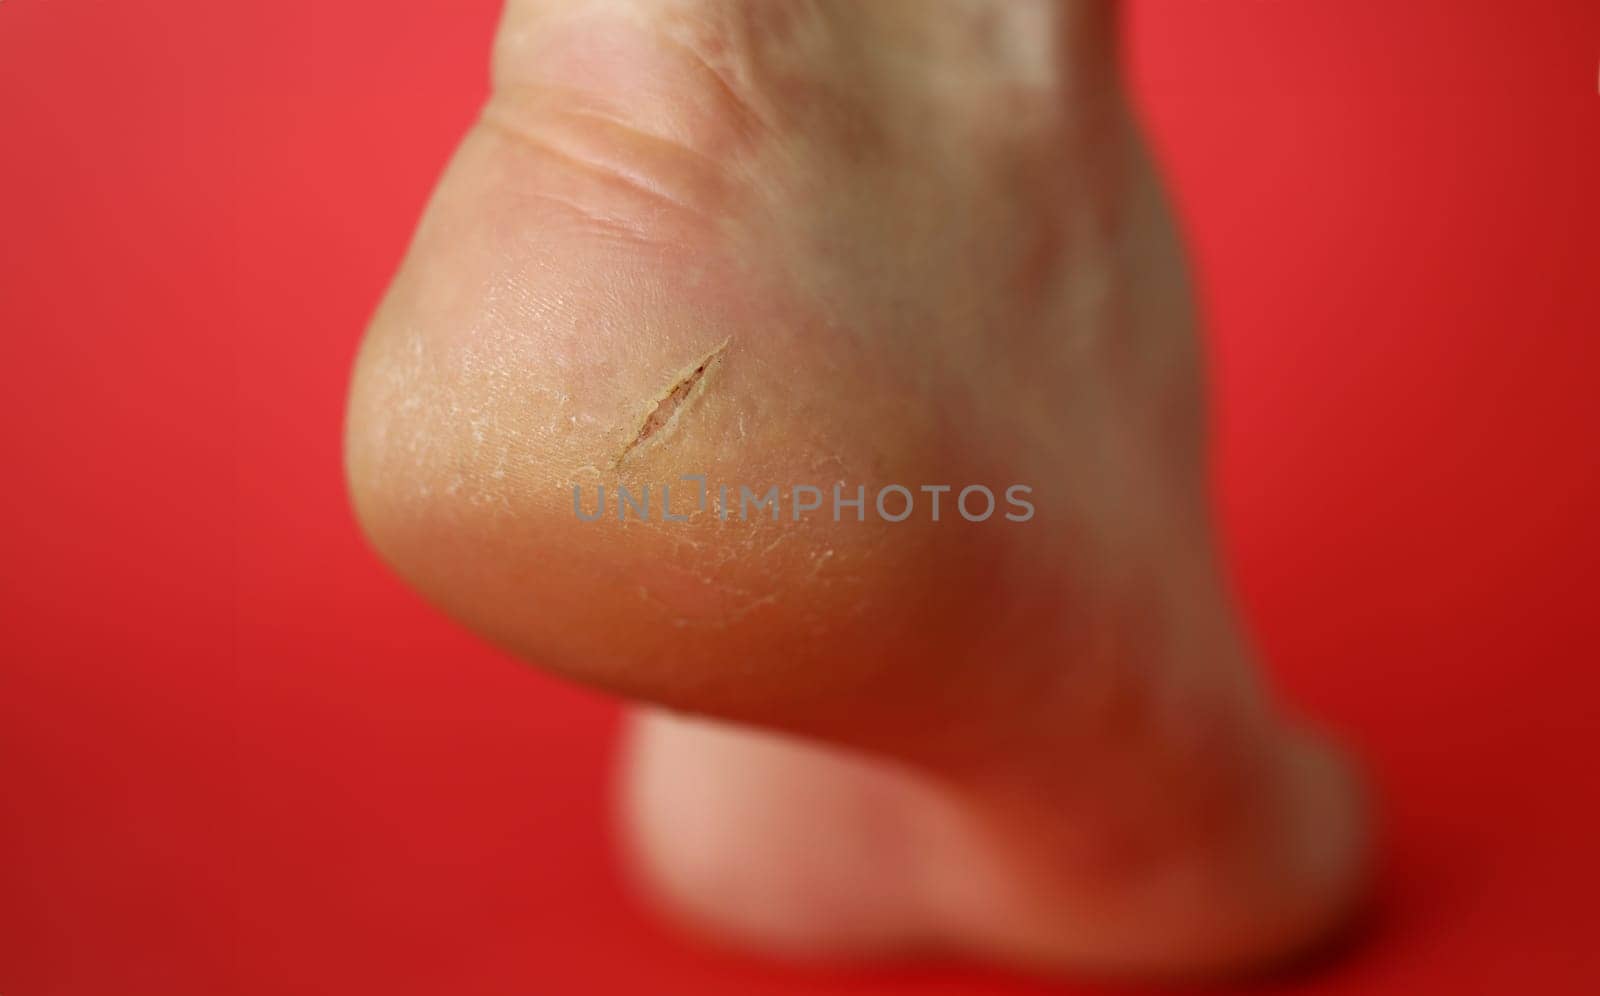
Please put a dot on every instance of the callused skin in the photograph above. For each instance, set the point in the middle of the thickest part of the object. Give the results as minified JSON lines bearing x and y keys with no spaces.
{"x":857,"y":245}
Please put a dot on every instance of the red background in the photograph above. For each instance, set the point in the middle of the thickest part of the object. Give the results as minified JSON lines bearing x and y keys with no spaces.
{"x":237,"y":756}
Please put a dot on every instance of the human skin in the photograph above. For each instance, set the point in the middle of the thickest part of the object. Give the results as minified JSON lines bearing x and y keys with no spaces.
{"x":872,"y":243}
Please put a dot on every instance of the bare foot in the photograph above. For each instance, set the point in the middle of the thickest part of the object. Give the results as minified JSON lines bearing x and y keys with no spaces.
{"x":827,"y":244}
